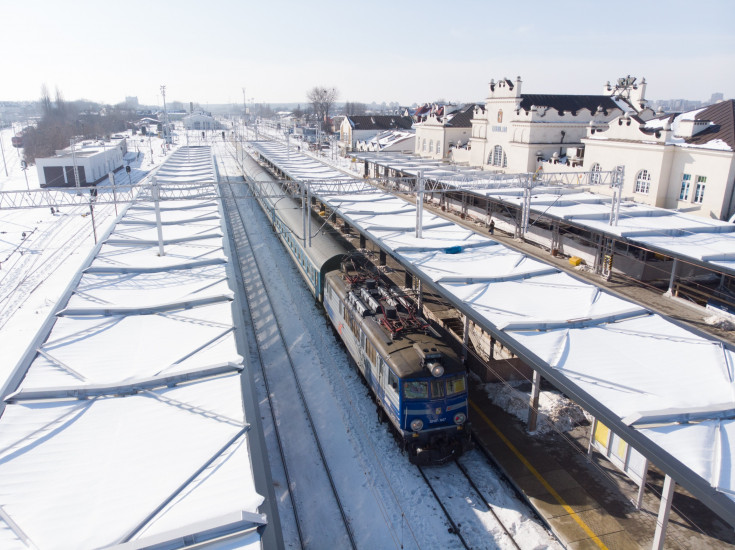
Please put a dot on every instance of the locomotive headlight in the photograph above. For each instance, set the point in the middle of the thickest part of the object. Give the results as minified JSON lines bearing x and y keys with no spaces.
{"x":417,"y":424}
{"x":459,"y":418}
{"x":435,"y":369}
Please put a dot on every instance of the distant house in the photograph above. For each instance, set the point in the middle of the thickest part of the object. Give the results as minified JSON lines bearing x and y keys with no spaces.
{"x":176,"y":114}
{"x":444,"y":127}
{"x":200,"y":121}
{"x":680,"y":161}
{"x":94,"y":160}
{"x":364,"y":127}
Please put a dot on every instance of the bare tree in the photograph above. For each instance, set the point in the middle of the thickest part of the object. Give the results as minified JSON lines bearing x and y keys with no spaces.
{"x":45,"y":100}
{"x":354,"y":108}
{"x":322,"y":99}
{"x":60,"y":103}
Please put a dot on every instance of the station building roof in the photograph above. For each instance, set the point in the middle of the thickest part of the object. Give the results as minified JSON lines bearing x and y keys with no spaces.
{"x":667,"y":390}
{"x":132,"y":424}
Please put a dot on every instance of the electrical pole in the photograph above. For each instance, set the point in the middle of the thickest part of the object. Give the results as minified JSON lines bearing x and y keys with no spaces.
{"x":166,"y":136}
{"x":244,"y":105}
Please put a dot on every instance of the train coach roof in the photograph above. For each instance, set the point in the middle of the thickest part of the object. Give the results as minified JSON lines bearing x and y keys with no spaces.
{"x":628,"y":366}
{"x":322,"y":249}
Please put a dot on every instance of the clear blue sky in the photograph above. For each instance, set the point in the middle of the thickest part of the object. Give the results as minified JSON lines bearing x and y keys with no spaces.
{"x":405,"y":51}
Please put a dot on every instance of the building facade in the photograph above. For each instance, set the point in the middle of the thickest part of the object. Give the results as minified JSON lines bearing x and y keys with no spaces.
{"x":684,"y":161}
{"x":200,"y":121}
{"x":444,"y":129}
{"x":94,"y":161}
{"x":514,"y":131}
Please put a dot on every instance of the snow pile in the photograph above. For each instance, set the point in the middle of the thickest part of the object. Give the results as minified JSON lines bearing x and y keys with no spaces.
{"x":720,"y":322}
{"x":556,"y":412}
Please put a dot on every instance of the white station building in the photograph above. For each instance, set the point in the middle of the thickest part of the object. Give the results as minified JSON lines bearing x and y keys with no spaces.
{"x":94,"y":160}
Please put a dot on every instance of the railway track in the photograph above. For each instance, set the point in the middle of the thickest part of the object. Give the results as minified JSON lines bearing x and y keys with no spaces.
{"x":473,"y":519}
{"x":293,"y":423}
{"x":464,"y":517}
{"x":31,"y":268}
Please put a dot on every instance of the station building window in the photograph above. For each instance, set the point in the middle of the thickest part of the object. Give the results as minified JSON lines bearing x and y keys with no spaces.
{"x":686,"y":181}
{"x":497,"y":157}
{"x":595,"y":176}
{"x":643,"y":182}
{"x":699,"y":189}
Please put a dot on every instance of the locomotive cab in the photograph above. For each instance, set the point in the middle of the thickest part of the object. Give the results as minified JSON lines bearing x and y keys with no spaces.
{"x":418,"y":381}
{"x":435,"y":405}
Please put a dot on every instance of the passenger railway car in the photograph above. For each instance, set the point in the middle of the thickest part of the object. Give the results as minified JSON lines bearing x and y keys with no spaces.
{"x":418,"y":382}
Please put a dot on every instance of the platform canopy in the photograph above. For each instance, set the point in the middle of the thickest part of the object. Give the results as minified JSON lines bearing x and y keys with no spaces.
{"x":129,"y":425}
{"x":703,"y":241}
{"x":668,"y":390}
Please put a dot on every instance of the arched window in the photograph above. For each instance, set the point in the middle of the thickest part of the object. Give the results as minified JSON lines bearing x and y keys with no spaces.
{"x":595,"y":176}
{"x":423,"y":145}
{"x":643,"y":182}
{"x":498,"y":156}
{"x":431,"y":146}
{"x":439,"y":146}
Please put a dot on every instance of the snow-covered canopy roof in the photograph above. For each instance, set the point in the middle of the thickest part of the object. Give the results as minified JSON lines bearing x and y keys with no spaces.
{"x":628,"y":366}
{"x":707,"y":242}
{"x":129,"y":425}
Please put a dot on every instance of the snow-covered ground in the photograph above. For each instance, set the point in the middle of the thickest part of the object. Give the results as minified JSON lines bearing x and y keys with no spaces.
{"x":40,"y":251}
{"x":388,"y":504}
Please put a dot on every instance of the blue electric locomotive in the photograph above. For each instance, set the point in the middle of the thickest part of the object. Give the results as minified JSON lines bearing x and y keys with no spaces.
{"x":418,"y":381}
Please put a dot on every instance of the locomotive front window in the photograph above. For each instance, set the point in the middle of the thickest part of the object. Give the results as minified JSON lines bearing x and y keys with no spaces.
{"x":455,"y":385}
{"x":437,"y":389}
{"x":416,"y":390}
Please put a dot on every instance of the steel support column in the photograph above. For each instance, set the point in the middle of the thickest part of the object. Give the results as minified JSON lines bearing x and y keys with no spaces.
{"x":533,"y":402}
{"x":156,"y":192}
{"x":420,"y":204}
{"x":664,"y":511}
